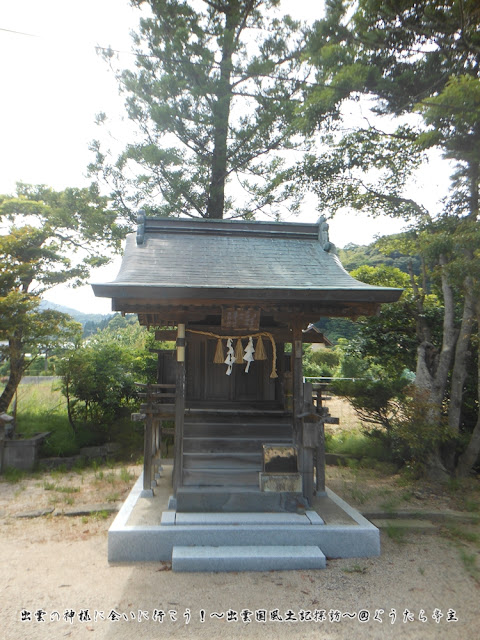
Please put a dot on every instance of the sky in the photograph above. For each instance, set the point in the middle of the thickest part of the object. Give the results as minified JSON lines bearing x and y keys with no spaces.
{"x":53,"y":83}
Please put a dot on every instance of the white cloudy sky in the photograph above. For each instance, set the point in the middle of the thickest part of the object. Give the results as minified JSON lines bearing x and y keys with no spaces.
{"x":53,"y":83}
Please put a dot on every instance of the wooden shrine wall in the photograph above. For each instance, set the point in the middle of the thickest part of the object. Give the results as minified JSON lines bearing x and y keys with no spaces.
{"x":207,"y":381}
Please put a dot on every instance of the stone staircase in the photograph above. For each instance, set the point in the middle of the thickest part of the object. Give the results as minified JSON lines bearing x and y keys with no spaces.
{"x":227,"y":451}
{"x":246,"y":541}
{"x":222,"y":459}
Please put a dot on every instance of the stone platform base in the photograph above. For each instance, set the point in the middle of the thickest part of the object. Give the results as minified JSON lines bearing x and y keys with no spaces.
{"x":146,"y":531}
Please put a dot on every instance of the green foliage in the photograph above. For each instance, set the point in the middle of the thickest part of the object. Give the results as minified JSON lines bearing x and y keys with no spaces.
{"x":48,"y":238}
{"x":45,"y":229}
{"x":214,"y":98}
{"x":397,"y":417}
{"x":320,"y":363}
{"x":13,"y":475}
{"x":357,"y":445}
{"x":98,"y":378}
{"x":97,"y":382}
{"x":376,"y":402}
{"x":416,"y":432}
{"x":366,"y":170}
{"x":389,"y":340}
{"x":353,"y":256}
{"x":420,"y":59}
{"x":396,"y":533}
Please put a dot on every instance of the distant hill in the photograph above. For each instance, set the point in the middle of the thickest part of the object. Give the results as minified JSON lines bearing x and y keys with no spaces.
{"x":79,"y":316}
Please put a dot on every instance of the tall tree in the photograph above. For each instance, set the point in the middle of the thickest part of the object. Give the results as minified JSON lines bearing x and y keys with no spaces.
{"x":214,"y":99}
{"x":421,"y":59}
{"x":48,"y":238}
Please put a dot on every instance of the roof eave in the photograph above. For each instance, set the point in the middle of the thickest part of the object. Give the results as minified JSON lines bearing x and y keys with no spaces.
{"x":164,"y":294}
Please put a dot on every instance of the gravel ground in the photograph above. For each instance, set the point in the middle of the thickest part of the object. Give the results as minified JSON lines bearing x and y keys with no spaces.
{"x":55,"y":565}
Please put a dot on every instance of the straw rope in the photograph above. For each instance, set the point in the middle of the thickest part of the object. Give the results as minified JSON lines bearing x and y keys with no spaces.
{"x":264,"y":334}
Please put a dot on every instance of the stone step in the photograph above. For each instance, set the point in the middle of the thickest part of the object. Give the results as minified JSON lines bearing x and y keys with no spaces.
{"x":223,"y":461}
{"x":234,"y":429}
{"x":229,"y":444}
{"x":237,"y":499}
{"x":230,"y":416}
{"x":247,"y":558}
{"x":215,"y":519}
{"x":223,"y":477}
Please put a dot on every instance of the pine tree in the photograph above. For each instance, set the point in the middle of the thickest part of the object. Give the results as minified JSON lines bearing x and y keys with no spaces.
{"x":214,"y":97}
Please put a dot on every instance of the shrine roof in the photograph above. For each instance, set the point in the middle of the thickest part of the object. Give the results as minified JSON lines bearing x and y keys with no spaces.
{"x":173,"y":258}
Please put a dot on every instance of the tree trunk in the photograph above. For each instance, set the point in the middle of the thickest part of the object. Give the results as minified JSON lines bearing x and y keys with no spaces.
{"x":472,"y":452}
{"x":433,"y":369}
{"x":17,"y":368}
{"x":221,"y":118}
{"x":459,"y":373}
{"x":470,"y":456}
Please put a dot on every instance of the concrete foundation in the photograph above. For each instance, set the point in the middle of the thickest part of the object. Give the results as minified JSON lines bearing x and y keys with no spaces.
{"x":146,"y":531}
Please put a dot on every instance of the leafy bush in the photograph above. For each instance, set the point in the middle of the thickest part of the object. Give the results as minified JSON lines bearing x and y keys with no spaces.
{"x":98,"y":379}
{"x":395,"y":416}
{"x":320,"y":363}
{"x":376,"y":402}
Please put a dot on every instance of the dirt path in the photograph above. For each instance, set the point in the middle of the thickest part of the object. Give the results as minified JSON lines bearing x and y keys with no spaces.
{"x":55,"y":565}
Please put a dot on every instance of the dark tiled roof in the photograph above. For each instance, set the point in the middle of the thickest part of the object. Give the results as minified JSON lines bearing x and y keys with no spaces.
{"x":213,"y":255}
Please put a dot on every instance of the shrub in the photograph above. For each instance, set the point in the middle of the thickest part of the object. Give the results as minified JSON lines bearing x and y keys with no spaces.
{"x":98,"y":381}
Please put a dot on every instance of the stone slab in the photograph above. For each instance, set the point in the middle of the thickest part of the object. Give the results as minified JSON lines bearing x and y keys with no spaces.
{"x":168,"y":519}
{"x":247,"y":558}
{"x":314,"y":517}
{"x":236,"y":519}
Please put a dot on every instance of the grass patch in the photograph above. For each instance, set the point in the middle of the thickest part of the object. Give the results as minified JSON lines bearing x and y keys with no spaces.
{"x":125,"y":475}
{"x":463,"y":534}
{"x":12,"y":475}
{"x":355,"y":569}
{"x":42,"y":407}
{"x":358,"y":446}
{"x":67,"y":489}
{"x":359,"y":495}
{"x":472,"y":506}
{"x":469,"y":561}
{"x":100,"y":515}
{"x":395,"y":533}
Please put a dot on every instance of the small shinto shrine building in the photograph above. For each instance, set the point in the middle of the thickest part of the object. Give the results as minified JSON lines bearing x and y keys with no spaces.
{"x":238,"y":298}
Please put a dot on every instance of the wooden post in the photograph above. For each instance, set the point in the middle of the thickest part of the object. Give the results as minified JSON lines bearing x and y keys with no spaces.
{"x":307,"y":473}
{"x":179,"y":409}
{"x":320,"y":455}
{"x":297,"y":381}
{"x":305,"y":455}
{"x":147,"y":453}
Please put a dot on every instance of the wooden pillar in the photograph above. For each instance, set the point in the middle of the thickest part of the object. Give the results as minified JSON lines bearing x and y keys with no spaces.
{"x":297,"y":380}
{"x":147,"y":453}
{"x":307,"y":462}
{"x":179,"y":408}
{"x":320,"y":455}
